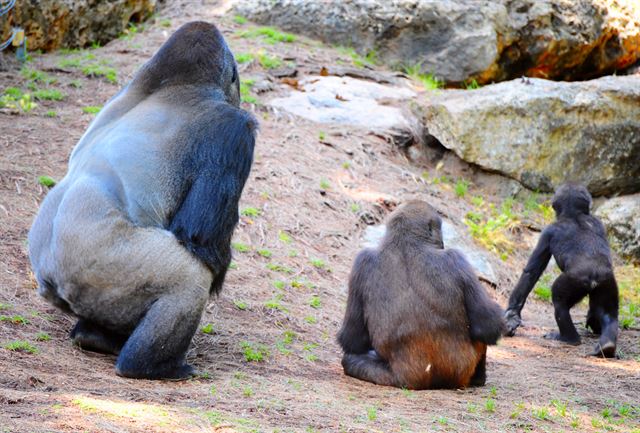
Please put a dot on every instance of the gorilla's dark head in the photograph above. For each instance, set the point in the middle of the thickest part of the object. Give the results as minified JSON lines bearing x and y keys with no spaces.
{"x":196,"y":54}
{"x":571,"y":199}
{"x":417,"y":219}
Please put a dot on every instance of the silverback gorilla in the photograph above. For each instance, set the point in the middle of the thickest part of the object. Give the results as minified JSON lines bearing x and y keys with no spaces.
{"x":578,"y":242}
{"x":417,"y":317}
{"x":137,"y":235}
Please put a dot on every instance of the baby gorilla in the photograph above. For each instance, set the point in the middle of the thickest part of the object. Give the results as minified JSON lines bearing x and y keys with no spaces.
{"x":137,"y":235}
{"x":416,"y":315}
{"x":579,"y":245}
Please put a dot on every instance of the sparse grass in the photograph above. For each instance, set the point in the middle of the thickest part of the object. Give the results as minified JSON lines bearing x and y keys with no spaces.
{"x":207,"y":329}
{"x":354,"y":207}
{"x":542,"y":289}
{"x":324,"y":184}
{"x":318,"y":263}
{"x":75,"y":83}
{"x":244,"y":57}
{"x":279,"y":284}
{"x":264,"y":252}
{"x":16,"y":319}
{"x":240,"y":247}
{"x":461,"y":187}
{"x":310,"y":320}
{"x":493,"y":230}
{"x":561,"y":407}
{"x":165,"y":22}
{"x":46,"y":181}
{"x":369,"y":59}
{"x":239,"y":19}
{"x":517,"y":411}
{"x":98,"y":71}
{"x":541,"y":413}
{"x":490,"y":405}
{"x":372,"y":413}
{"x":21,"y":346}
{"x":92,"y":109}
{"x":245,"y":91}
{"x":275,"y":303}
{"x":284,"y":237}
{"x":269,"y":35}
{"x":279,"y":268}
{"x":268,"y":61}
{"x":322,"y":135}
{"x":42,"y":336}
{"x":247,"y":391}
{"x":346,"y":165}
{"x":240,"y":305}
{"x":251,"y":212}
{"x":628,"y":278}
{"x":14,"y":98}
{"x":36,"y":76}
{"x":471,"y":84}
{"x":428,"y":81}
{"x":51,"y":113}
{"x":48,"y":95}
{"x":131,"y":31}
{"x":254,"y":352}
{"x":314,"y":302}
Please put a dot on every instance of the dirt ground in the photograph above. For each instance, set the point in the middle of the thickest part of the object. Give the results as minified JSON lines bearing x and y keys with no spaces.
{"x":314,"y":197}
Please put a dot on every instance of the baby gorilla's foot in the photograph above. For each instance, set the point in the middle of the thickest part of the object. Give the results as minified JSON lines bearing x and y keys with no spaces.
{"x":574,"y":341}
{"x":606,"y":350}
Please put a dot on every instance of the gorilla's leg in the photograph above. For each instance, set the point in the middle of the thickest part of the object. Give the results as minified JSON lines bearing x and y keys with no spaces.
{"x":565,"y":293}
{"x":158,"y":346}
{"x":603,"y":310}
{"x":479,"y":377}
{"x":89,"y":336}
{"x":368,"y":366}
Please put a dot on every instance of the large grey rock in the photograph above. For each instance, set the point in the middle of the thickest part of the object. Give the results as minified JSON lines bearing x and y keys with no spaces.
{"x":52,"y":24}
{"x":480,"y":260}
{"x":457,"y":40}
{"x":543,"y":133}
{"x":621,"y":217}
{"x":346,"y":100}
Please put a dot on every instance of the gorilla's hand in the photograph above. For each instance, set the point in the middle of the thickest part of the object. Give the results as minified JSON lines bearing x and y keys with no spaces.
{"x":512,"y":320}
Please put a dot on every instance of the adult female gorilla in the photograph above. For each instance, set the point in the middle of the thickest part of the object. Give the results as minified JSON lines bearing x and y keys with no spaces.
{"x":137,"y":234}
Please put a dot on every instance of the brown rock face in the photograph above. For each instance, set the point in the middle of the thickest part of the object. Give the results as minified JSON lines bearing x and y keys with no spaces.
{"x":51,"y":24}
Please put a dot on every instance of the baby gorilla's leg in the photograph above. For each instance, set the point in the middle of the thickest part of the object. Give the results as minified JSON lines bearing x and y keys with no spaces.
{"x":368,"y":366}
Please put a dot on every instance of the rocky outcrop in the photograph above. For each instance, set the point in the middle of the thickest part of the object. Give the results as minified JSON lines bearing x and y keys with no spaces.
{"x":543,"y":133}
{"x":621,"y":217}
{"x":346,"y":100}
{"x":459,"y":40}
{"x":52,"y":24}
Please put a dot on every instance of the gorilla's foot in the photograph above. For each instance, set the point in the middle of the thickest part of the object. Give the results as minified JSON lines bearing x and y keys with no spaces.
{"x":573,"y":341}
{"x":594,"y":325}
{"x":89,"y":336}
{"x":604,"y":350}
{"x":180,"y":372}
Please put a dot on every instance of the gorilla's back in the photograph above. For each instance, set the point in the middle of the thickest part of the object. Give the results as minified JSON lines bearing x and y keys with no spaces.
{"x":127,"y":168}
{"x":422,"y":276}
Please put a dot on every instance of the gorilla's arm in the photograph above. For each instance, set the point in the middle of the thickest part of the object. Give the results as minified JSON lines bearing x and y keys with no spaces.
{"x":354,"y":335}
{"x":483,"y":314}
{"x":532,"y":271}
{"x":205,"y":220}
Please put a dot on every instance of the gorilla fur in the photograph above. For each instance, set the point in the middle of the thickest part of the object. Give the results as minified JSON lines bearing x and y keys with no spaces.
{"x":578,"y":243}
{"x":137,"y":235}
{"x":416,"y":315}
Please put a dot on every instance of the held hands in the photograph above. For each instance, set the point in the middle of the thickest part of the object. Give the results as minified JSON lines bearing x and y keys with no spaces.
{"x":512,"y":320}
